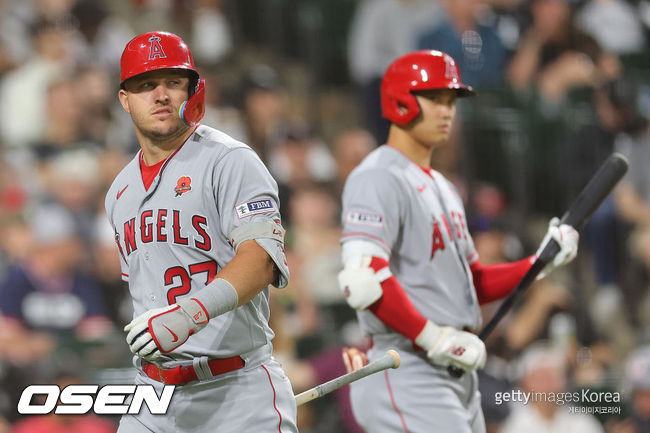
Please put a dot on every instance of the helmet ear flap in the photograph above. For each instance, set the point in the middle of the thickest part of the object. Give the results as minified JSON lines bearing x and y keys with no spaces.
{"x":410,"y":103}
{"x":402,"y":107}
{"x":193,"y":109}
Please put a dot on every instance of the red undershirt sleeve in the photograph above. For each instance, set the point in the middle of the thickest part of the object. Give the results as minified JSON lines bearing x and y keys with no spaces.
{"x":494,"y":282}
{"x":394,"y":308}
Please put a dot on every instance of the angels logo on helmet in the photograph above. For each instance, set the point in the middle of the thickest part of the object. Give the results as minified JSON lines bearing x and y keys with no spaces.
{"x":155,"y":49}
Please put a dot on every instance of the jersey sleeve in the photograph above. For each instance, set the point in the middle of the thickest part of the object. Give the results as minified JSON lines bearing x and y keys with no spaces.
{"x":372,"y":202}
{"x":246,"y":193}
{"x":124,"y":266}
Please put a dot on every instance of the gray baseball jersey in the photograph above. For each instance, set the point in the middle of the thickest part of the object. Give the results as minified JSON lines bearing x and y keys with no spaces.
{"x":174,"y":238}
{"x":419,"y":219}
{"x":417,"y":216}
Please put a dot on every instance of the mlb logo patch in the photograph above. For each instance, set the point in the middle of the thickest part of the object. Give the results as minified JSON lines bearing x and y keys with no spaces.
{"x":254,"y":207}
{"x":365,"y":219}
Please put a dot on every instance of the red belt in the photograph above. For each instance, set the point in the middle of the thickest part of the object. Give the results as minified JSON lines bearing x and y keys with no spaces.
{"x":182,"y":374}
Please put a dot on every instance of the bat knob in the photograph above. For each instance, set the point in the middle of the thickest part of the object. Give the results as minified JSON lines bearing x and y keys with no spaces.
{"x":395,"y":356}
{"x":455,"y":371}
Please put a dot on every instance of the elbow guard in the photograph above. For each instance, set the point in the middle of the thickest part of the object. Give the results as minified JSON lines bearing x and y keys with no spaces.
{"x":361,"y":284}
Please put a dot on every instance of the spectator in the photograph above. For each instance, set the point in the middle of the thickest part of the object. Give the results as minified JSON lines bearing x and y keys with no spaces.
{"x":614,"y":24}
{"x":479,"y":52}
{"x":145,"y":15}
{"x":63,"y":120}
{"x":554,"y":56}
{"x":299,"y":158}
{"x":211,"y":34}
{"x":47,"y":292}
{"x":350,"y":147}
{"x":636,"y":390}
{"x":265,"y":108}
{"x":94,"y":96}
{"x":225,"y":118}
{"x":551,"y":72}
{"x":23,"y":90}
{"x":313,"y":255}
{"x":381,"y":31}
{"x":70,"y":179}
{"x":101,"y":35}
{"x":315,"y":239}
{"x":14,"y":33}
{"x":544,"y":373}
{"x":6,"y":62}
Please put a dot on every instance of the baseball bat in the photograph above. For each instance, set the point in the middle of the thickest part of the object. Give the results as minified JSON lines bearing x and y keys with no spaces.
{"x":591,"y":196}
{"x":389,"y":360}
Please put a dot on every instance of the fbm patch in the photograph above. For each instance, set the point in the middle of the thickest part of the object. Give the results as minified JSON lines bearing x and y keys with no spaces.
{"x":254,"y":207}
{"x":366,"y":219}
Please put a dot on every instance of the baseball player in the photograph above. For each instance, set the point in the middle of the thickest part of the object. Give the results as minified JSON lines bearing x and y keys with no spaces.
{"x":197,"y":223}
{"x":410,"y":266}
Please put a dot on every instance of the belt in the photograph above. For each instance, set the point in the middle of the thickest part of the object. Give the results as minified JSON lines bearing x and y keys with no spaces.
{"x":182,"y":374}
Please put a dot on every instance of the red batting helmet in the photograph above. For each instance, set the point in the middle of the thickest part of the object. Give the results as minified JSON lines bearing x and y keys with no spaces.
{"x":419,"y":70}
{"x":163,"y":50}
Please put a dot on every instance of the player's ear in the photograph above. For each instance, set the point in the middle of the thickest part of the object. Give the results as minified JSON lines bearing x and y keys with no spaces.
{"x":124,"y":97}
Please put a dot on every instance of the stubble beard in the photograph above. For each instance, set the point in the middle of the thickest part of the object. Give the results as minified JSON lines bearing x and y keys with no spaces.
{"x":175,"y":131}
{"x":155,"y":135}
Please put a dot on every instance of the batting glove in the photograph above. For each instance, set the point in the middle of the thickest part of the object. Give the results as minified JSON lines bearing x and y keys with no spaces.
{"x":567,"y":238}
{"x":449,"y":346}
{"x":157,"y":332}
{"x":353,"y":359}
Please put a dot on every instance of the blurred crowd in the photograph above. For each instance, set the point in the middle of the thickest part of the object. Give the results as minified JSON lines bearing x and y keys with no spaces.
{"x":562,"y":84}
